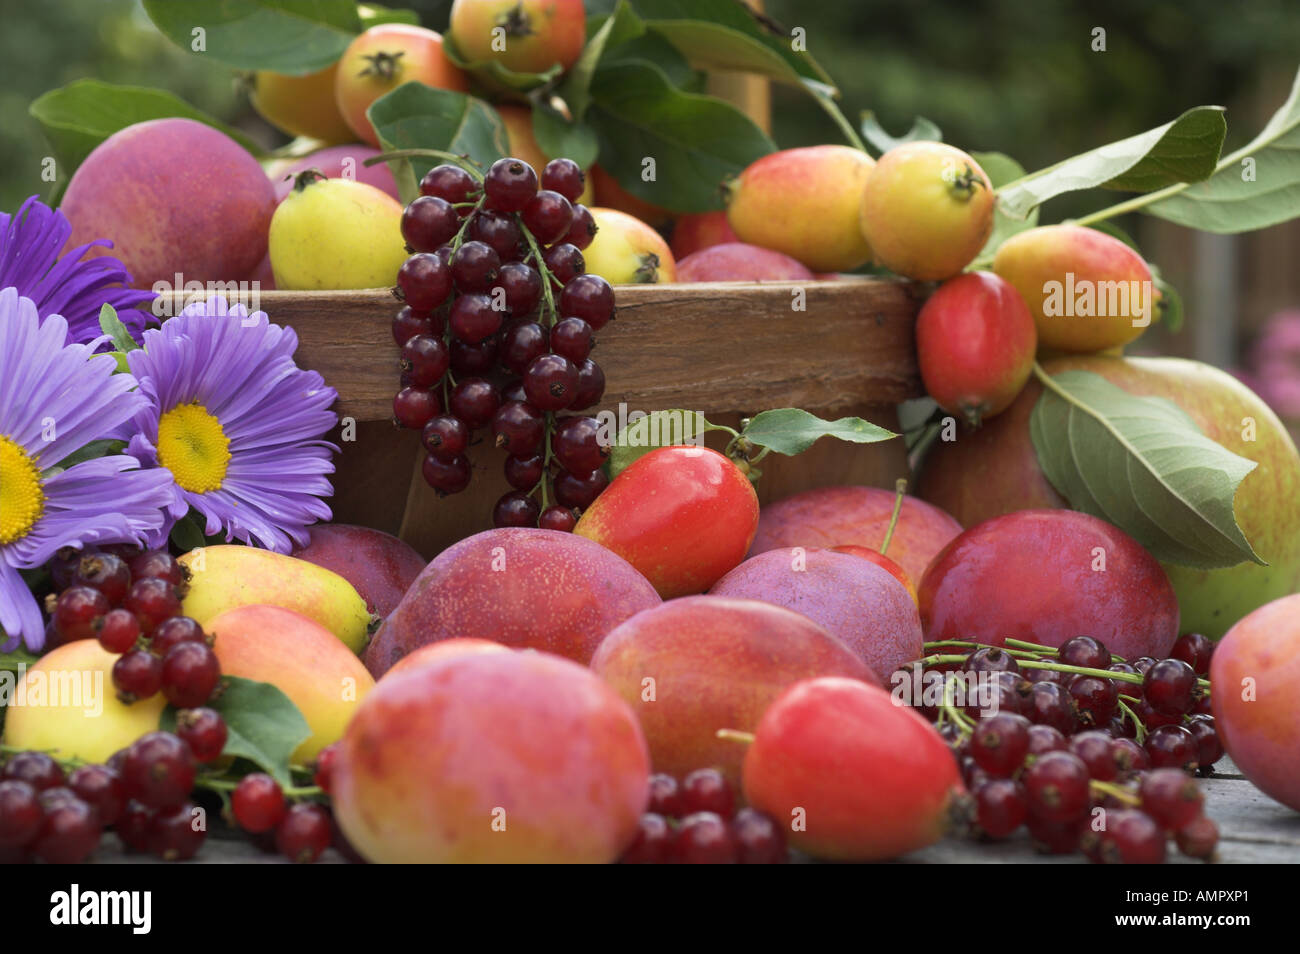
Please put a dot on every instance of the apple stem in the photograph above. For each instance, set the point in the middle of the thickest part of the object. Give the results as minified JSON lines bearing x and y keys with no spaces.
{"x":736,"y":735}
{"x":900,"y":488}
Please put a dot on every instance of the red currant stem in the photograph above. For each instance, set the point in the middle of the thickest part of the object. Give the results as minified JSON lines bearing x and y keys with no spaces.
{"x":1132,"y":677}
{"x":962,"y":721}
{"x":463,"y":161}
{"x":1115,"y":791}
{"x":736,"y":735}
{"x":939,"y":659}
{"x":900,"y":488}
{"x":535,"y":254}
{"x":943,"y":643}
{"x":543,"y":483}
{"x":1036,"y":647}
{"x":1128,"y":713}
{"x":841,"y":122}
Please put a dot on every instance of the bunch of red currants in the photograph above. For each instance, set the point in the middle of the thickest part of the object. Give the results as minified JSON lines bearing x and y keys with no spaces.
{"x":1090,"y":752}
{"x":497,"y":331}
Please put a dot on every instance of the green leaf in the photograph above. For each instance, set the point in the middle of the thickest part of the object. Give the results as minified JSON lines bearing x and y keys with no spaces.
{"x":1142,"y":464}
{"x":1170,"y":306}
{"x":1185,"y":150}
{"x":186,"y":534}
{"x":415,"y":116}
{"x":651,"y":47}
{"x":1255,"y":187}
{"x":791,"y":431}
{"x":262,"y":724}
{"x":1001,"y":169}
{"x":922,"y":131}
{"x":288,"y":36}
{"x":78,"y":117}
{"x":372,"y":14}
{"x":112,"y":326}
{"x":619,"y":27}
{"x":494,"y":75}
{"x":695,"y":141}
{"x":656,"y":429}
{"x":723,"y":34}
{"x":557,"y":137}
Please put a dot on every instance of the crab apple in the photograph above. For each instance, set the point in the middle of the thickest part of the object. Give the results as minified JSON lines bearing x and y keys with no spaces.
{"x":926,"y":210}
{"x":995,"y":470}
{"x":300,"y":105}
{"x":975,"y":343}
{"x":175,"y":196}
{"x":525,"y":36}
{"x":445,"y":649}
{"x":1045,"y":576}
{"x":627,"y":251}
{"x":860,"y":604}
{"x":492,"y":757}
{"x":869,"y":779}
{"x":683,"y":516}
{"x":382,"y":59}
{"x":804,"y":203}
{"x":738,"y":262}
{"x":1086,"y":290}
{"x":525,"y":588}
{"x":698,"y":664}
{"x":838,"y":516}
{"x":1255,"y":673}
{"x":697,"y":231}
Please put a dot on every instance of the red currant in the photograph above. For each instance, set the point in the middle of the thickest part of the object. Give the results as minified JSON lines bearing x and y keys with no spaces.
{"x":449,"y":182}
{"x":425,"y":359}
{"x":424,"y":281}
{"x":583,"y":228}
{"x":304,"y":833}
{"x":515,"y":509}
{"x":579,"y":492}
{"x":101,"y":788}
{"x":550,"y":382}
{"x":565,"y":177}
{"x":548,"y":215}
{"x":445,"y":437}
{"x":105,"y":572}
{"x":509,"y":184}
{"x":175,"y":834}
{"x":152,"y":600}
{"x":557,"y":518}
{"x":137,"y":675}
{"x":759,"y":839}
{"x":258,"y":803}
{"x":415,"y":407}
{"x":158,"y":770}
{"x":118,"y":631}
{"x":652,"y":842}
{"x":204,"y":731}
{"x":429,"y":222}
{"x":446,"y":476}
{"x":474,"y":401}
{"x":78,"y":611}
{"x":704,"y":838}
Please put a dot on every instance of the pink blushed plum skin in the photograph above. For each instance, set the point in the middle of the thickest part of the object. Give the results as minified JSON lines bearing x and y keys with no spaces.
{"x":1045,"y":576}
{"x":378,"y":565}
{"x":834,"y":516}
{"x":340,"y":162}
{"x":526,"y":588}
{"x":861,"y":604}
{"x":174,"y":196}
{"x":481,"y":757}
{"x":1255,"y":672}
{"x":713,"y":663}
{"x":738,"y":262}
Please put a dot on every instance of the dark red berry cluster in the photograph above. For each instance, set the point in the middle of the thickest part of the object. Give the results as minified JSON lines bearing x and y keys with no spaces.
{"x":131,"y":602}
{"x":696,"y":822}
{"x":1054,"y":745}
{"x":497,"y":332}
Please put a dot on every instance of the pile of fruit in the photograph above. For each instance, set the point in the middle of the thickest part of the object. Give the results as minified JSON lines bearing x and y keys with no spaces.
{"x":1092,"y":599}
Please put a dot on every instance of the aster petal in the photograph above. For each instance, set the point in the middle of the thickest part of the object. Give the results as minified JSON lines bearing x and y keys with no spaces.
{"x":20,"y":616}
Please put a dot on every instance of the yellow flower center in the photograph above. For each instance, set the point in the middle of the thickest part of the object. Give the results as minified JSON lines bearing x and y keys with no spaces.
{"x":192,"y":445}
{"x":21,"y":500}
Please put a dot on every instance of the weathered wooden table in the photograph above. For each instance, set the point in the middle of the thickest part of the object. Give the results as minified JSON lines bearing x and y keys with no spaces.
{"x":1253,"y":828}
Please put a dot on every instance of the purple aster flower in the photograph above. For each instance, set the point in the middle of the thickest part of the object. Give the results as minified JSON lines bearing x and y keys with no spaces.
{"x":74,"y":286}
{"x":236,"y":423}
{"x":55,"y":399}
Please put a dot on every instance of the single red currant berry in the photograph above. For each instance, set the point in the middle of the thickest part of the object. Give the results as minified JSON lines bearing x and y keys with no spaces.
{"x":158,"y":564}
{"x":1172,"y":746}
{"x":759,"y":839}
{"x":135,"y":826}
{"x":565,"y":177}
{"x":474,"y":360}
{"x":579,"y":445}
{"x":1084,"y":652}
{"x":550,"y":382}
{"x":69,"y":833}
{"x":557,"y":518}
{"x":509,"y":184}
{"x":424,"y":281}
{"x":1169,"y":686}
{"x":415,"y":407}
{"x":1198,"y":838}
{"x":428,"y":223}
{"x":1195,"y":650}
{"x":590,"y":388}
{"x":1057,"y":786}
{"x":409,"y":323}
{"x":523,"y":473}
{"x":445,"y":437}
{"x":548,"y":216}
{"x":564,"y":262}
{"x":137,"y":674}
{"x":425,"y":359}
{"x":20,"y":813}
{"x":704,"y":838}
{"x":1170,"y":797}
{"x":446,"y":476}
{"x":665,"y":796}
{"x":522,"y":343}
{"x":473,"y":318}
{"x":590,"y":298}
{"x":1001,"y":806}
{"x":304,"y":833}
{"x":204,"y":731}
{"x":518,"y":428}
{"x":176,"y":834}
{"x":158,"y":770}
{"x":475,"y":267}
{"x":118,"y":631}
{"x":579,"y":492}
{"x":105,"y":572}
{"x":571,"y":338}
{"x":325,"y":759}
{"x":498,"y":230}
{"x":258,"y":803}
{"x":706,"y":790}
{"x":522,"y":286}
{"x":652,"y":842}
{"x":174,"y":631}
{"x":474,"y":401}
{"x":583,"y":228}
{"x":449,"y":182}
{"x":78,"y":612}
{"x":36,"y":769}
{"x":152,"y":600}
{"x":999,"y":743}
{"x":190,"y":674}
{"x":100,"y":787}
{"x":515,"y":509}
{"x":1132,"y":837}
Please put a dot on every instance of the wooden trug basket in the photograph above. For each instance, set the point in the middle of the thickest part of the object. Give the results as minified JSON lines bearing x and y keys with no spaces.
{"x":727,"y":350}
